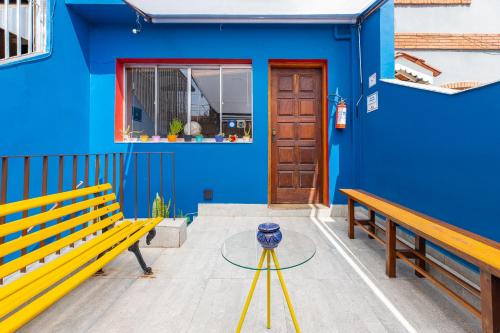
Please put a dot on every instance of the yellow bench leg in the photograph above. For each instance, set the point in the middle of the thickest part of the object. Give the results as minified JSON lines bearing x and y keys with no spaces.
{"x":285,"y":292}
{"x":250,"y":293}
{"x":268,"y":289}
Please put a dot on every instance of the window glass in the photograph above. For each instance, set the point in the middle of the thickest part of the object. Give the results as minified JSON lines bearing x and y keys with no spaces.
{"x":172,"y":98}
{"x":140,"y":101}
{"x":26,"y":36}
{"x":205,"y":100}
{"x":236,"y":101}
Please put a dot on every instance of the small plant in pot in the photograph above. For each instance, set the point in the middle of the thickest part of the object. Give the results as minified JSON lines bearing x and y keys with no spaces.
{"x":175,"y":128}
{"x":128,"y":135}
{"x":198,"y":138}
{"x":219,"y":137}
{"x":160,"y":209}
{"x":144,"y":138}
{"x":248,"y":131}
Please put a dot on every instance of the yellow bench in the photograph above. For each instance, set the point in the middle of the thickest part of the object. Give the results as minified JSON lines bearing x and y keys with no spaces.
{"x":92,"y":216}
{"x":482,"y":252}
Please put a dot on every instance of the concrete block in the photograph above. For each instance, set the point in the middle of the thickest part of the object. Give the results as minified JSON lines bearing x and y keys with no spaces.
{"x":169,"y":233}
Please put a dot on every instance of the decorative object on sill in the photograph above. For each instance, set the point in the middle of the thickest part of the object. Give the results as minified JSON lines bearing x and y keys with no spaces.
{"x":175,"y":128}
{"x":233,"y":138}
{"x":195,"y":128}
{"x":198,"y":138}
{"x":188,"y":138}
{"x":144,"y":138}
{"x":128,"y":135}
{"x":156,"y":138}
{"x":269,"y":235}
{"x":159,"y":208}
{"x":247,"y":137}
{"x":219,"y":137}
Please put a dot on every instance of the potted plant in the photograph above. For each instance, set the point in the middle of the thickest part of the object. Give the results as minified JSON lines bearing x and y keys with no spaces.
{"x":128,"y":135}
{"x":175,"y":128}
{"x":198,"y":138}
{"x":233,"y":138}
{"x":219,"y":137}
{"x":144,"y":138}
{"x":156,"y":138}
{"x":160,"y":209}
{"x":247,"y":137}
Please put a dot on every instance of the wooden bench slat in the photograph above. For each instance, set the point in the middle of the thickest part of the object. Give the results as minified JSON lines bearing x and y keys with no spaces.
{"x":19,"y":318}
{"x":33,"y":256}
{"x":19,"y":206}
{"x":58,"y":272}
{"x":34,"y":220}
{"x":25,"y":241}
{"x":477,"y":252}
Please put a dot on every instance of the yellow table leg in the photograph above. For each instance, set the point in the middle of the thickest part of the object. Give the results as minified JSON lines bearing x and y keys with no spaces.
{"x":268,"y":289}
{"x":250,"y":293}
{"x":285,"y":292}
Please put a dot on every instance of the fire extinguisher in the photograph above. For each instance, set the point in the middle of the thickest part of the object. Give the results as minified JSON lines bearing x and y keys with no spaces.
{"x":340,"y":119}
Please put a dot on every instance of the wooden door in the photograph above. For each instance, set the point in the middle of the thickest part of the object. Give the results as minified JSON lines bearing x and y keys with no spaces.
{"x":296,"y":104}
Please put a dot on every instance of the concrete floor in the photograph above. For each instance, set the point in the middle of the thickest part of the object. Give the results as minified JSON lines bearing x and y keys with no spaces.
{"x":342,"y":289}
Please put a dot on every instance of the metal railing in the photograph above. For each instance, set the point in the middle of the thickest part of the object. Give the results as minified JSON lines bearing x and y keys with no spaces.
{"x":135,"y":177}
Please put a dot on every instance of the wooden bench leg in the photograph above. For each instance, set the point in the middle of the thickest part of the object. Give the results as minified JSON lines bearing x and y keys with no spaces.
{"x":490,"y":302}
{"x":350,"y":217}
{"x":372,"y":221}
{"x":420,"y":248}
{"x":390,"y":251}
{"x":135,"y":249}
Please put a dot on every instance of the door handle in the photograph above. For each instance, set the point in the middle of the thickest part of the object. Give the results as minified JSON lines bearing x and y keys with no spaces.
{"x":273,"y":133}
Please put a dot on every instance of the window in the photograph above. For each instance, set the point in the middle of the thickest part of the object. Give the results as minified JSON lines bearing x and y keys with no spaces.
{"x":207,"y":99}
{"x":22,"y":28}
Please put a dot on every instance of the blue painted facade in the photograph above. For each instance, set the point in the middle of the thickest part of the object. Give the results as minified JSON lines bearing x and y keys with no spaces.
{"x":419,"y":149}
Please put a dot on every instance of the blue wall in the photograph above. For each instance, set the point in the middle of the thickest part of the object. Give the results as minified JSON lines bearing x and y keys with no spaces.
{"x":237,"y":173}
{"x":433,"y":152}
{"x":436,"y":153}
{"x":45,"y":103}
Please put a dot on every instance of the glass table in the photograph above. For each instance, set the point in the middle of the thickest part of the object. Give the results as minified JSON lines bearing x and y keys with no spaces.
{"x":245,"y":251}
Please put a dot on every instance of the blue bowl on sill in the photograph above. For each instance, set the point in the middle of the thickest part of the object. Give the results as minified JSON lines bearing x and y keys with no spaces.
{"x":219,"y":138}
{"x":269,"y":235}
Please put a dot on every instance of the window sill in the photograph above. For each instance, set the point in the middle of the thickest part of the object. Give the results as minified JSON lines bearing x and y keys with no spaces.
{"x":14,"y":60}
{"x":180,"y":140}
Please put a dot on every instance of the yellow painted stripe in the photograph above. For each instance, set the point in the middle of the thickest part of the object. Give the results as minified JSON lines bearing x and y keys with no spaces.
{"x":51,"y":277}
{"x":37,"y":219}
{"x":29,"y":258}
{"x":19,"y":206}
{"x":30,"y":311}
{"x":481,"y":251}
{"x":25,"y":241}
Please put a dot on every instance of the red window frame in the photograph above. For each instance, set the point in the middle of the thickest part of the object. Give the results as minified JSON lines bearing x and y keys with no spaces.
{"x":120,"y":65}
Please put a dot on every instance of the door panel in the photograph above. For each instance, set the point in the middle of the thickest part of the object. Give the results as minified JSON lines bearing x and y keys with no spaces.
{"x":296,"y":135}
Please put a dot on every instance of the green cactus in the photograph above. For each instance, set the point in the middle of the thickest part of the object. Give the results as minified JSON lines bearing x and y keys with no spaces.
{"x":160,"y":209}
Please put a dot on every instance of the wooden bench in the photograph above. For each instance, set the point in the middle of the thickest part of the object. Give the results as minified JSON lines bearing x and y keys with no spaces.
{"x":482,"y":252}
{"x":87,"y":233}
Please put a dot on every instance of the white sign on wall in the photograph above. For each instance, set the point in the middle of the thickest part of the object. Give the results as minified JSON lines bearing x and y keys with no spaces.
{"x":372,"y":80}
{"x":372,"y":102}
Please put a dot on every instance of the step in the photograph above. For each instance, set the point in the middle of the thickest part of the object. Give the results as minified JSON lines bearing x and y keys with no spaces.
{"x":263,"y":210}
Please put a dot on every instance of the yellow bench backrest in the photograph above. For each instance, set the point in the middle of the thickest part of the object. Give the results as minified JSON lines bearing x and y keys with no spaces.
{"x":94,"y":205}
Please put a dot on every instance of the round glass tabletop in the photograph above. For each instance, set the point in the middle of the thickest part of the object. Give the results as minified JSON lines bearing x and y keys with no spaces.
{"x":243,"y":250}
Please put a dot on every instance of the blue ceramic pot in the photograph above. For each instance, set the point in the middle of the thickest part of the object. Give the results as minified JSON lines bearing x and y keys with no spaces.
{"x":269,"y":235}
{"x":219,"y":138}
